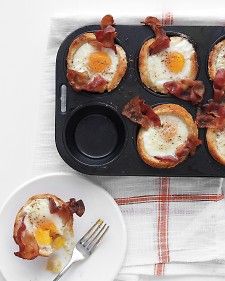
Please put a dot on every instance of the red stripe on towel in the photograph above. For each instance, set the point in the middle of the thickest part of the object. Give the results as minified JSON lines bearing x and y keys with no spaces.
{"x":159,"y":269}
{"x":163,"y":213}
{"x":169,"y":197}
{"x":167,"y":18}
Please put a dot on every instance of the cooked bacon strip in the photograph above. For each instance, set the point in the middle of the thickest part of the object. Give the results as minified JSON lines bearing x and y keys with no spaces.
{"x":98,"y":84}
{"x":211,"y":115}
{"x":62,"y":211}
{"x":219,"y":85}
{"x":105,"y":37}
{"x":107,"y":20}
{"x":162,"y":41}
{"x":28,"y":247}
{"x":77,"y":79}
{"x":81,"y":81}
{"x":194,"y":90}
{"x":138,"y":112}
{"x":18,"y":238}
{"x":66,"y":210}
{"x":76,"y":207}
{"x":174,"y":88}
{"x":189,"y":147}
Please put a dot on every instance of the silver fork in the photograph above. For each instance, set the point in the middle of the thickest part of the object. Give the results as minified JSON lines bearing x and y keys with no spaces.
{"x":86,"y":245}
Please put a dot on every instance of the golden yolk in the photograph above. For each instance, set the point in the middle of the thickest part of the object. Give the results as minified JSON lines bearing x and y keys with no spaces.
{"x":43,"y":236}
{"x":48,"y":225}
{"x":58,"y":243}
{"x":175,"y":62}
{"x":99,"y":61}
{"x":168,"y":131}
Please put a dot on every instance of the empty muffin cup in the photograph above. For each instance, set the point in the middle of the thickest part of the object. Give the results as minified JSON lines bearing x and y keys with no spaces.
{"x":95,"y":134}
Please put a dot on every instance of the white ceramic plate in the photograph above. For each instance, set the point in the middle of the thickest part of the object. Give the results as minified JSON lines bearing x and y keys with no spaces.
{"x":106,"y":261}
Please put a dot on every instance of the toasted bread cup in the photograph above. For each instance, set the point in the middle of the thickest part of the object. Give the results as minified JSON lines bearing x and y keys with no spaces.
{"x":144,"y":68}
{"x":166,"y":110}
{"x":89,"y":38}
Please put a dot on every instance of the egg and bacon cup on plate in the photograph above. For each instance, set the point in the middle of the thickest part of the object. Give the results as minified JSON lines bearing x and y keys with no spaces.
{"x":167,"y":135}
{"x":95,"y":63}
{"x":212,"y":117}
{"x":44,"y":226}
{"x":169,"y":65}
{"x":216,"y":70}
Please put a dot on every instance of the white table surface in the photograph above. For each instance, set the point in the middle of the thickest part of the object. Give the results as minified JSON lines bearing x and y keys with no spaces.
{"x":24,"y":27}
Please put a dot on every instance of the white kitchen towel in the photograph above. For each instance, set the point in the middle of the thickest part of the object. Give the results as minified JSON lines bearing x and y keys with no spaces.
{"x":175,"y":225}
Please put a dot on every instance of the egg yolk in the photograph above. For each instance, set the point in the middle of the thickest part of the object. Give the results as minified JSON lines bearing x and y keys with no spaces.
{"x":168,"y":131}
{"x":43,"y":236}
{"x":58,"y":243}
{"x":99,"y":61}
{"x":46,"y":233}
{"x":48,"y":225}
{"x":175,"y":62}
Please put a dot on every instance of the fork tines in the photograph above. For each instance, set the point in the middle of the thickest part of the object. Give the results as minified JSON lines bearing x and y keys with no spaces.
{"x":94,"y":235}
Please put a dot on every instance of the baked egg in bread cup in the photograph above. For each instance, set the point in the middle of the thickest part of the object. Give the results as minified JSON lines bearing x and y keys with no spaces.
{"x":95,"y":63}
{"x":164,"y":59}
{"x":44,"y":225}
{"x":177,"y":62}
{"x":168,"y":138}
{"x":212,"y":117}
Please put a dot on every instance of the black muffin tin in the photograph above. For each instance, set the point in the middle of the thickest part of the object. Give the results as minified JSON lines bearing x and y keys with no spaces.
{"x":91,"y":134}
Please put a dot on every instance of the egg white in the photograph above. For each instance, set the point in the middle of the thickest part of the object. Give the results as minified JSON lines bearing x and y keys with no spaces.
{"x":80,"y":61}
{"x":38,"y":211}
{"x":157,"y":70}
{"x":60,"y":258}
{"x":156,"y":146}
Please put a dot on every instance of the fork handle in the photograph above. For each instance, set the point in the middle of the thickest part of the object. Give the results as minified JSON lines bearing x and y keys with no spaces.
{"x":63,"y":271}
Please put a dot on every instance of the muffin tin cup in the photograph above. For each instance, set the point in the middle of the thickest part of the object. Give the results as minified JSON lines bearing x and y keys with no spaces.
{"x":170,"y":34}
{"x":94,"y":134}
{"x":91,"y":134}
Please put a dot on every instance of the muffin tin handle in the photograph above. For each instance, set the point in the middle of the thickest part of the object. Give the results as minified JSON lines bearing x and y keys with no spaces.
{"x":63,"y":94}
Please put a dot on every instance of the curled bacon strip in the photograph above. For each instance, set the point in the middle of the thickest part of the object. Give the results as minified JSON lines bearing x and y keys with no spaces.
{"x":106,"y":21}
{"x":98,"y":84}
{"x":211,"y":115}
{"x":189,"y":147}
{"x":77,"y":79}
{"x":28,"y":247}
{"x":67,"y":209}
{"x":76,"y":207}
{"x":186,"y":89}
{"x":137,"y":111}
{"x":219,"y":85}
{"x":80,"y":81}
{"x":162,"y":41}
{"x":105,"y":37}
